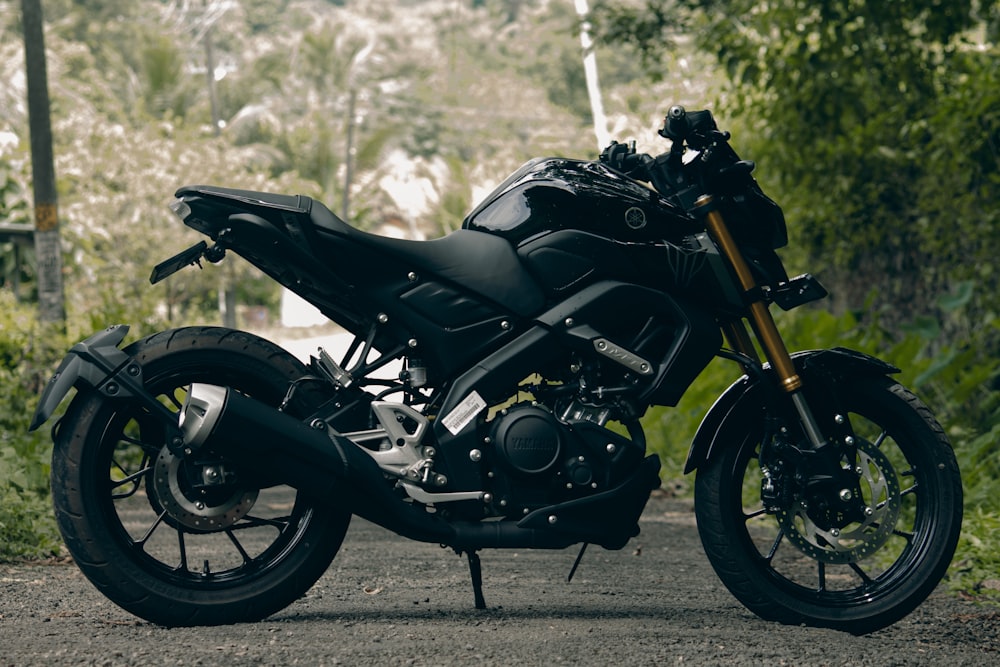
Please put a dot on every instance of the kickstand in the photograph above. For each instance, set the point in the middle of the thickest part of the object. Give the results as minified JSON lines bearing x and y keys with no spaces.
{"x":476,"y":570}
{"x":576,"y":563}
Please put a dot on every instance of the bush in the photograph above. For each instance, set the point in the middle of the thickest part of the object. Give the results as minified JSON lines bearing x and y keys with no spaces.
{"x":28,"y":353}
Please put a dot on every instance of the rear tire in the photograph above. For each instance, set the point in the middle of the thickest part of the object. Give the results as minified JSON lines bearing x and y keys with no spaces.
{"x":781,"y":566}
{"x":160,"y":545}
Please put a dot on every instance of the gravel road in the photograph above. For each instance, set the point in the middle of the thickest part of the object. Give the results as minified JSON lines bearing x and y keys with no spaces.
{"x":388,"y":601}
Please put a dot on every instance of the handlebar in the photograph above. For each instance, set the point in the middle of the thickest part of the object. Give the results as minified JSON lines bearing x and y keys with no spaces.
{"x":716,"y":165}
{"x":716,"y":170}
{"x":696,"y":128}
{"x":623,"y":158}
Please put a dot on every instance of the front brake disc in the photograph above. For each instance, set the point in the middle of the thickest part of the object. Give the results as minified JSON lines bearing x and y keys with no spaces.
{"x":860,"y":539}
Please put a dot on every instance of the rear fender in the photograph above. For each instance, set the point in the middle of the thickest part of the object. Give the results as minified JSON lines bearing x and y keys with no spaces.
{"x":746,"y":398}
{"x":96,"y":363}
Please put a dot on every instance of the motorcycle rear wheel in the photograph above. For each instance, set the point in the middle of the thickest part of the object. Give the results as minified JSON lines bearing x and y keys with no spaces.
{"x":142,"y":528}
{"x":783,"y":569}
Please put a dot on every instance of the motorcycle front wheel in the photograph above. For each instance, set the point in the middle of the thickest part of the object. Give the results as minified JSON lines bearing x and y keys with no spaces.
{"x":180,"y":542}
{"x":790,"y":566}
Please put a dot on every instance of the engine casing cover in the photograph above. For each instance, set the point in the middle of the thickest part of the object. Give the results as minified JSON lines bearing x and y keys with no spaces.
{"x":528,"y":440}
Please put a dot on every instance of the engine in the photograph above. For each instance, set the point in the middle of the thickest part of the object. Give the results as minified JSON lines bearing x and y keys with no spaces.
{"x":534,"y":460}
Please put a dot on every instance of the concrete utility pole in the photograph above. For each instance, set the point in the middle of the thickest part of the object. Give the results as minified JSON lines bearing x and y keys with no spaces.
{"x":48,"y":253}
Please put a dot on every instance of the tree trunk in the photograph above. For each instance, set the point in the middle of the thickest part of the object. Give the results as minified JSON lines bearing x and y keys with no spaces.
{"x":590,"y":71}
{"x":48,"y":252}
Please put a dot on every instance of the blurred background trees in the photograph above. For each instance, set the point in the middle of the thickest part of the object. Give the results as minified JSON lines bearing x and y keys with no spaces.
{"x":878,"y":127}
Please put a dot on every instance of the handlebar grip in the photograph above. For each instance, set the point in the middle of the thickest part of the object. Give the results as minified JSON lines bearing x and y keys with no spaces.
{"x":675,"y":125}
{"x":695,"y":127}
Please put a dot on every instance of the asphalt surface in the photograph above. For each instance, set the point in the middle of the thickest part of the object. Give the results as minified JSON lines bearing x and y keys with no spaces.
{"x":388,"y":601}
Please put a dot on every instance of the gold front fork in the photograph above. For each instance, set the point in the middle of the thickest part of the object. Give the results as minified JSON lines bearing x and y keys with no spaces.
{"x":760,"y":318}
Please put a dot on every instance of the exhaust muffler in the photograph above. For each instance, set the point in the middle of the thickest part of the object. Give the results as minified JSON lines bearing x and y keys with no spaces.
{"x":276,"y":448}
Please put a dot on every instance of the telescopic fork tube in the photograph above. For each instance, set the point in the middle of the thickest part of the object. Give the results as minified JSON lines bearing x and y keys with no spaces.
{"x":760,"y":317}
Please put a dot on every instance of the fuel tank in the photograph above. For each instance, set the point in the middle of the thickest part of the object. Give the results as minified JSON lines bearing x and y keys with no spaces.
{"x":575,"y":223}
{"x":553,"y":194}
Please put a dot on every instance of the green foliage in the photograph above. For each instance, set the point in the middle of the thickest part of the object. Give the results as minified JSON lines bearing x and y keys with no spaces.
{"x":977,"y":559}
{"x":16,"y":254}
{"x":13,"y":185}
{"x":651,"y":30}
{"x":455,"y":200}
{"x":27,"y":352}
{"x":875,"y":125}
{"x":167,"y":91}
{"x":836,"y":124}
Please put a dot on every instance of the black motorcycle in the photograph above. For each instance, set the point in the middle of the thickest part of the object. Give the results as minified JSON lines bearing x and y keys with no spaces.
{"x":204,"y":475}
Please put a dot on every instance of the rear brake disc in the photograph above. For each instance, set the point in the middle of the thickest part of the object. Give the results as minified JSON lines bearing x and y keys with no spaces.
{"x":189,"y":505}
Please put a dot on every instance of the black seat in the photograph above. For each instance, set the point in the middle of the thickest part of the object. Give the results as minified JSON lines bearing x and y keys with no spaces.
{"x":482,"y":262}
{"x":250,"y":199}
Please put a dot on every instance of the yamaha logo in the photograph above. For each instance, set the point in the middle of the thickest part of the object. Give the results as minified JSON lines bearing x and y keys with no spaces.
{"x":529,"y":444}
{"x":635,"y":218}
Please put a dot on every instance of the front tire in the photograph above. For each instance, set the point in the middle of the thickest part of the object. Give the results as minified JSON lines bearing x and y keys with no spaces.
{"x":150,"y":531}
{"x":786,"y":568}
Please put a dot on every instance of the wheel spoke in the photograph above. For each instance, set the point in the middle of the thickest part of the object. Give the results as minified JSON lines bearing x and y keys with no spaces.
{"x":132,"y":479}
{"x":880,"y":439}
{"x":754,"y":514}
{"x":905,"y":492}
{"x":821,"y":573}
{"x":183,"y":549}
{"x":239,"y":547}
{"x":250,"y":521}
{"x":861,"y":573}
{"x":149,"y":531}
{"x":147,"y":447}
{"x":904,"y":534}
{"x":774,"y":547}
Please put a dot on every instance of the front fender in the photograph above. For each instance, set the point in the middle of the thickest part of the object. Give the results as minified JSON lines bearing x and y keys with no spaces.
{"x":746,"y":398}
{"x":97,"y":363}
